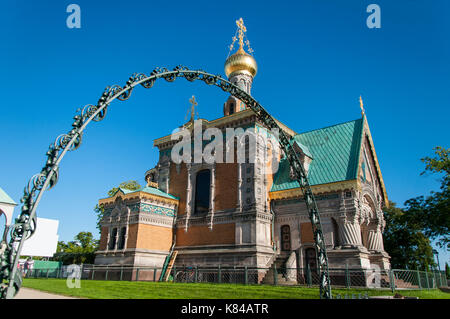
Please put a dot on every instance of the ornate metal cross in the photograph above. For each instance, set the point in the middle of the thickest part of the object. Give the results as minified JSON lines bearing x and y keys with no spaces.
{"x":193,"y":105}
{"x":242,"y":30}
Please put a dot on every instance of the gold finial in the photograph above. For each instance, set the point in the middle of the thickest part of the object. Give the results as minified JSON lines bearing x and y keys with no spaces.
{"x":361,"y":105}
{"x":192,"y":110}
{"x":241,"y":30}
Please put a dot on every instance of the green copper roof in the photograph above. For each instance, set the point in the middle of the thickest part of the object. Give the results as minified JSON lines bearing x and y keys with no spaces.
{"x":335,"y":152}
{"x":155,"y":191}
{"x":4,"y":198}
{"x":148,"y":189}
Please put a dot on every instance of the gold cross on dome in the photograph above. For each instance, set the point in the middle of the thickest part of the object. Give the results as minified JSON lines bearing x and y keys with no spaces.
{"x":242,"y":30}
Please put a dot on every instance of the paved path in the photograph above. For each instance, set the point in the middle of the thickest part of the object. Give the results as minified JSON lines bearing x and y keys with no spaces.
{"x":27,"y":293}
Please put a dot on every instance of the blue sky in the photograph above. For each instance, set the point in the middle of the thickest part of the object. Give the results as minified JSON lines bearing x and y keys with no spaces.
{"x":315,"y":59}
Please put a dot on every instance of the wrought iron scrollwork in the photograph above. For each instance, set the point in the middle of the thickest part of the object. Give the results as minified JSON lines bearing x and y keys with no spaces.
{"x":25,"y":224}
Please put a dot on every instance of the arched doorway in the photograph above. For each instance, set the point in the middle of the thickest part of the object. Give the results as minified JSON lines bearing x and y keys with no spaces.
{"x":202,"y":191}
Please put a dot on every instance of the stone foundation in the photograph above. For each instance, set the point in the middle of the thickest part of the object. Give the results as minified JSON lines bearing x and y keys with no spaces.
{"x":224,"y":255}
{"x":132,"y":257}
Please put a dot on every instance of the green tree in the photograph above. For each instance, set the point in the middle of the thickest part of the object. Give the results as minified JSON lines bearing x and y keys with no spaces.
{"x":86,"y":241}
{"x":432,"y":213}
{"x":405,"y":242}
{"x":99,"y":209}
{"x":61,"y":247}
{"x":80,"y":250}
{"x":447,"y":271}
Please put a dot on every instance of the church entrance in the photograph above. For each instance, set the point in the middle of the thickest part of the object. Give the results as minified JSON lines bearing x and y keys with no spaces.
{"x":285,"y":238}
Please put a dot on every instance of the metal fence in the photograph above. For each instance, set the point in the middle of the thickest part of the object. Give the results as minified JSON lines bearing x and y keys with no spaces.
{"x":340,"y":277}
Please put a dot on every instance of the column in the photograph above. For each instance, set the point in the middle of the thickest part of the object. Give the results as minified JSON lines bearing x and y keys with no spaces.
{"x":188,"y":196}
{"x":350,"y":236}
{"x":126,"y":238}
{"x":374,"y":238}
{"x":239,"y":188}
{"x":211,"y":198}
{"x":108,"y":237}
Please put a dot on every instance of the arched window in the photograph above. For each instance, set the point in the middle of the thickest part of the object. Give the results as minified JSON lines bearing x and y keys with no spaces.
{"x":231,"y":110}
{"x":121,"y":243}
{"x":202,"y":191}
{"x":335,"y":232}
{"x":112,"y":239}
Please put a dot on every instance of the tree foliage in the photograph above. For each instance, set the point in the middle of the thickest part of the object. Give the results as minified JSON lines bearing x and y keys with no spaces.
{"x":99,"y":209}
{"x":432,"y":213}
{"x":405,"y":242}
{"x":80,"y":250}
{"x":130,"y":185}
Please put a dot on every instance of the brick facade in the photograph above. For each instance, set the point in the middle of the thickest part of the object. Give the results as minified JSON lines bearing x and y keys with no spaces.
{"x":226,"y":186}
{"x":103,"y":238}
{"x":154,"y":237}
{"x":202,"y":235}
{"x":178,"y":184}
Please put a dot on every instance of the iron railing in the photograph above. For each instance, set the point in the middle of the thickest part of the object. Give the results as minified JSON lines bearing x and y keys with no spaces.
{"x":392,"y":279}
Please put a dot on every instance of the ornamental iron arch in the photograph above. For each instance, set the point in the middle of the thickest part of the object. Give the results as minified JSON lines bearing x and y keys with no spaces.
{"x":25,"y":224}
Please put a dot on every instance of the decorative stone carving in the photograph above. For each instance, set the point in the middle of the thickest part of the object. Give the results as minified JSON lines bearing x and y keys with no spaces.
{"x":350,"y":236}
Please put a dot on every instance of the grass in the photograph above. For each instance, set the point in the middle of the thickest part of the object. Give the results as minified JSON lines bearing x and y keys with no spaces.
{"x":97,"y":289}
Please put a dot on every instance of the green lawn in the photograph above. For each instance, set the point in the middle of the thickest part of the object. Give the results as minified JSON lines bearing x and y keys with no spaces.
{"x":98,"y":289}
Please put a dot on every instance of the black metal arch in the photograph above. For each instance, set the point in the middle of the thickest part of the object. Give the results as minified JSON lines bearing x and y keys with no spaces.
{"x":25,"y":224}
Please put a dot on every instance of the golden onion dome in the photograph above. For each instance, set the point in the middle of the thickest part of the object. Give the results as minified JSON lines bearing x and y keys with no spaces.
{"x":240,"y":62}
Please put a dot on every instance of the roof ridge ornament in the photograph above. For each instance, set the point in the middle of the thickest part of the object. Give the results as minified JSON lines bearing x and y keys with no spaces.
{"x":361,"y":105}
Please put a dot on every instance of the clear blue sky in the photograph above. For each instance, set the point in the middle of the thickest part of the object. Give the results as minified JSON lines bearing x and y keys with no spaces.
{"x":315,"y":59}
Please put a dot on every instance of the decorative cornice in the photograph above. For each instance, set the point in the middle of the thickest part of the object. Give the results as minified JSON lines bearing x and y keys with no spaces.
{"x":316,"y":189}
{"x":226,"y":121}
{"x":139,"y":195}
{"x":224,"y":218}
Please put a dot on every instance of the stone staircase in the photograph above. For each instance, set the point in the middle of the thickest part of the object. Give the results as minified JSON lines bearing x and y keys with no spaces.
{"x":282,"y":279}
{"x":399,"y":283}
